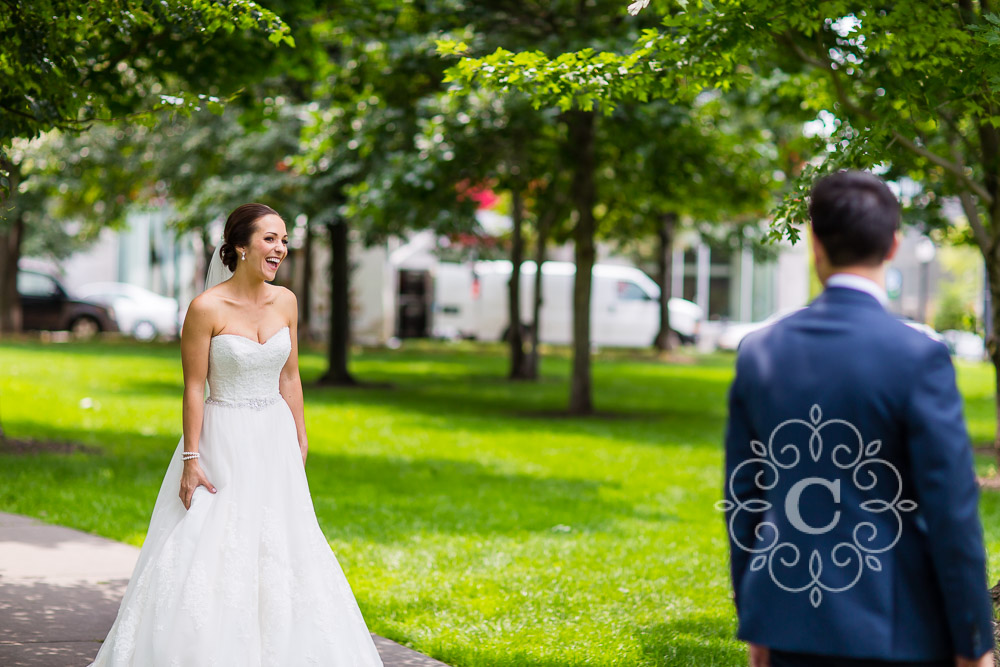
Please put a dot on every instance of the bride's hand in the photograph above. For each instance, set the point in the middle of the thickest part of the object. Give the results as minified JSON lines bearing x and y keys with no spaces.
{"x":192,"y":478}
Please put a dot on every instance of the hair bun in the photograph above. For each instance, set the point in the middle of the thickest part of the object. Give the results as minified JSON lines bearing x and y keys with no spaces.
{"x":227,"y":253}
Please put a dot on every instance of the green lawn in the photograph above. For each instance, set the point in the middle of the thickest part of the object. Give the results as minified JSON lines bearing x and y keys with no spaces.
{"x":474,"y":523}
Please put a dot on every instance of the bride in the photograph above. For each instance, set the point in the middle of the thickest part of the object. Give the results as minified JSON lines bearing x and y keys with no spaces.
{"x":236,"y":571}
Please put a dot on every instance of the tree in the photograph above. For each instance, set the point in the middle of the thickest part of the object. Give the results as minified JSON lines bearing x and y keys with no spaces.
{"x":482,"y":140}
{"x":70,"y":63}
{"x":712,"y":164}
{"x":67,"y":65}
{"x":911,"y":86}
{"x":363,"y":127}
{"x":383,"y":70}
{"x":554,"y":28}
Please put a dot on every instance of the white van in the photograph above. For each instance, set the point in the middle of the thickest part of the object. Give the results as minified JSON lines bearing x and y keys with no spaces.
{"x":470,"y":301}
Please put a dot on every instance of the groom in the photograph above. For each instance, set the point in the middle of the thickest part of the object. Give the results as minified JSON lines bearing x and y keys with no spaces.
{"x":851,"y":502}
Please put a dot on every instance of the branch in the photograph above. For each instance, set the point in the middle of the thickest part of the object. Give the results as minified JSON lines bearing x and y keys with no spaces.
{"x":954,"y":169}
{"x":949,"y":120}
{"x":951,"y":167}
{"x":972,"y":215}
{"x":968,"y":205}
{"x":800,"y":52}
{"x":62,"y":123}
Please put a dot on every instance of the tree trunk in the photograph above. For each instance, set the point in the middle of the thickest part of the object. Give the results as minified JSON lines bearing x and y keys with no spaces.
{"x":993,"y":342}
{"x":544,"y":223}
{"x":664,"y":276}
{"x":518,"y":360}
{"x":11,"y":237}
{"x":305,"y":308}
{"x":581,"y":125}
{"x":340,"y":308}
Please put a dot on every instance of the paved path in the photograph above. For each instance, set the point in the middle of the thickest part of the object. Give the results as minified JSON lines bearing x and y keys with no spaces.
{"x":60,"y":590}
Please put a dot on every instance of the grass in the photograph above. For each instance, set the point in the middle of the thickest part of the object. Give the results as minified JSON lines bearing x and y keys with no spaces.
{"x":473,"y":523}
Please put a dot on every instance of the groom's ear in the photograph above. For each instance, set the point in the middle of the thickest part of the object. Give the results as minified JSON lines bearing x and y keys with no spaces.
{"x":896,"y":239}
{"x":819,"y":252}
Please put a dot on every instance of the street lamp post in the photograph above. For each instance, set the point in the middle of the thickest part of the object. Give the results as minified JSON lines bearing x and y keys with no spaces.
{"x":924,"y":253}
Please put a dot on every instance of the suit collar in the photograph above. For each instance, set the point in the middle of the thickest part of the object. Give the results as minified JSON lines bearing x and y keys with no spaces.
{"x":848,"y":296}
{"x":860,"y":283}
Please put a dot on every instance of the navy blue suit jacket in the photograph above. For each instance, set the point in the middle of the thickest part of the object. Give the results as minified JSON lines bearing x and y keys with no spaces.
{"x":904,"y":584}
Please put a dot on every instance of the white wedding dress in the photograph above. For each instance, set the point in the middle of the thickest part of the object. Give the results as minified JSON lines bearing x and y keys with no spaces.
{"x":245,"y":578}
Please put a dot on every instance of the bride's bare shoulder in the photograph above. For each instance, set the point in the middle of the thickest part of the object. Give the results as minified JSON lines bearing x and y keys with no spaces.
{"x":285,"y":299}
{"x":205,"y":309}
{"x":215,"y":294}
{"x":207,"y":301}
{"x":282,"y":294}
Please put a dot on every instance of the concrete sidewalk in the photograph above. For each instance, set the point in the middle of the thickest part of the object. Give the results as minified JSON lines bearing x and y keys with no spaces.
{"x":60,"y":590}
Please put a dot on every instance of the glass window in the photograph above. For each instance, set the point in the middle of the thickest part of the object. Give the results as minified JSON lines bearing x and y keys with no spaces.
{"x":629,"y":291}
{"x":36,"y":285}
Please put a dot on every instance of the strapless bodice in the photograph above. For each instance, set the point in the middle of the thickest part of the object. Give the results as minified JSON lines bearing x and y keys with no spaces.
{"x":243,"y":372}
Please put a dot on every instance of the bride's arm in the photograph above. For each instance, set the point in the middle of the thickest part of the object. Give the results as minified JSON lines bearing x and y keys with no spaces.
{"x":290,"y":384}
{"x":196,"y":336}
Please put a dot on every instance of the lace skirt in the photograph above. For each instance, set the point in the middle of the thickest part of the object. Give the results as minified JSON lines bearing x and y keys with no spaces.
{"x":245,"y":577}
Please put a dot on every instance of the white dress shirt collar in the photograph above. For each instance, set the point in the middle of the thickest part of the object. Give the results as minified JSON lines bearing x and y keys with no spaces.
{"x":856,"y":282}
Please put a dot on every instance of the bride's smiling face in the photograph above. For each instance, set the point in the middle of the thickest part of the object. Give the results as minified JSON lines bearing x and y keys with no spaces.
{"x":268,"y":246}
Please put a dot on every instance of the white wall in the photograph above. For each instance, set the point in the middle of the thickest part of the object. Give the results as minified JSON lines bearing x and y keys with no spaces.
{"x":792,"y":279}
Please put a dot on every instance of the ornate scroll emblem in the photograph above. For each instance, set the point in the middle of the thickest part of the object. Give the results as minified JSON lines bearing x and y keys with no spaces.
{"x":861,"y":467}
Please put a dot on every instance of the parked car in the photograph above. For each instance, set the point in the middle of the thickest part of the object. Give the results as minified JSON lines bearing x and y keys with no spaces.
{"x":46,"y":306}
{"x":139,"y":312}
{"x":734,"y":332}
{"x":965,"y":344}
{"x":925,"y":329}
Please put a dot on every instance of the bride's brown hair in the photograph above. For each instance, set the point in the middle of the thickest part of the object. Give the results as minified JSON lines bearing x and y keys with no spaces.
{"x":240,"y":226}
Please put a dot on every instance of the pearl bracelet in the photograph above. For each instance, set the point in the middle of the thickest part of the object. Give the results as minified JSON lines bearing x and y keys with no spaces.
{"x":187,"y":456}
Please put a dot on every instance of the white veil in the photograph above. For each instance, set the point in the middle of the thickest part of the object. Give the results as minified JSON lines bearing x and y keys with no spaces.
{"x":217,"y":271}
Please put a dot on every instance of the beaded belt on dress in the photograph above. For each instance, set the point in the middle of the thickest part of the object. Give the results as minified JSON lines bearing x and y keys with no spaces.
{"x":253,"y":403}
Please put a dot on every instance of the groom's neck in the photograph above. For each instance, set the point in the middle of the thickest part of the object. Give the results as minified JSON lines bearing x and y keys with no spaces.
{"x":876,"y":274}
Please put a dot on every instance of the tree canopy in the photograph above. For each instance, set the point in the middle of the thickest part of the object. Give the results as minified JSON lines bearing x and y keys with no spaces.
{"x":66,"y":65}
{"x":910,"y":89}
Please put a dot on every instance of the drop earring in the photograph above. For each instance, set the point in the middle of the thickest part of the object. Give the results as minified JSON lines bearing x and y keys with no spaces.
{"x":244,"y":255}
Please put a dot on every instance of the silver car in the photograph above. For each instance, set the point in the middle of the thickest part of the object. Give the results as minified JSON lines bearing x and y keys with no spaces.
{"x":139,"y":312}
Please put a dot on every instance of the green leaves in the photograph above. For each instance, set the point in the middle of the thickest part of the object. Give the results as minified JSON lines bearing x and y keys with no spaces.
{"x":451,"y":47}
{"x":209,"y":16}
{"x":911,"y":83}
{"x":68,"y":63}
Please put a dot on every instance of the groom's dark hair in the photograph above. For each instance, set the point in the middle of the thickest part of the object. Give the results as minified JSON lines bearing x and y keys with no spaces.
{"x":855,"y":217}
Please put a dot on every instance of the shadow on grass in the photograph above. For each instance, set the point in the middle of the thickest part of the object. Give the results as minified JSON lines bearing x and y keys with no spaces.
{"x":389,"y":499}
{"x":467,"y":386}
{"x":105,"y":348}
{"x":502,"y":409}
{"x":698,"y":641}
{"x":379,"y":499}
{"x":106,"y":444}
{"x":657,"y":411}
